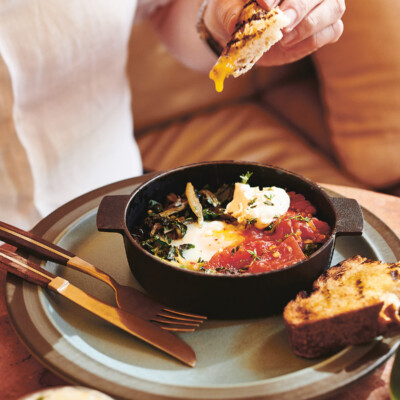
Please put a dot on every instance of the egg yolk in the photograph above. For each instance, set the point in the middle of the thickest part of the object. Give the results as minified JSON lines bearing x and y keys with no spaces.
{"x":221,"y":70}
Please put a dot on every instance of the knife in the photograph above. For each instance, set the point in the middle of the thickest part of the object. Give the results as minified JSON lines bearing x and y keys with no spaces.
{"x":138,"y":327}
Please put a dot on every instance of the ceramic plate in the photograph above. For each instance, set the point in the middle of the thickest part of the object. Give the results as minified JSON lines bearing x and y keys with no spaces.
{"x":238,"y":359}
{"x":395,"y":378}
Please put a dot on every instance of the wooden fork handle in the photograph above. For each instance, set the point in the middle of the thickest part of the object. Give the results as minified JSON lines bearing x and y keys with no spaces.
{"x":33,"y":244}
{"x":17,"y":265}
{"x":48,"y":251}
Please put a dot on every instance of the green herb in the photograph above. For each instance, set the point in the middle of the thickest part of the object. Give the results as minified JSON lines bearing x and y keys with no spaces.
{"x":254,"y":255}
{"x":249,"y":222}
{"x":272,"y":227}
{"x":245,"y":178}
{"x":155,"y":206}
{"x":185,"y":246}
{"x":251,"y":203}
{"x":209,"y":213}
{"x":289,"y":234}
{"x":268,"y":200}
{"x":300,"y":218}
{"x":310,"y":248}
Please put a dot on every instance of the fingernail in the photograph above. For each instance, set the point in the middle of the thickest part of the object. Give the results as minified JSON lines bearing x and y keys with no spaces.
{"x":289,"y":37}
{"x":292,"y":15}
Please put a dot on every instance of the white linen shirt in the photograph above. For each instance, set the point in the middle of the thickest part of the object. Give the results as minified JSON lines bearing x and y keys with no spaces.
{"x":65,"y":108}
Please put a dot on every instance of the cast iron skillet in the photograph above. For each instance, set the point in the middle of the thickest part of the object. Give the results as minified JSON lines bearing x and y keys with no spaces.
{"x":225,"y":296}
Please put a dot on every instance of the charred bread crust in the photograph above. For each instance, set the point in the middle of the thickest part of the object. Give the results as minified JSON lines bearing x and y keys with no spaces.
{"x":204,"y":33}
{"x":251,"y":13}
{"x":256,"y":31}
{"x":351,"y":303}
{"x":329,"y":335}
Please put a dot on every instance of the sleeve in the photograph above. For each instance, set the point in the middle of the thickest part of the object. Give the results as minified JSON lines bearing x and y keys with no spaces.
{"x":147,"y":7}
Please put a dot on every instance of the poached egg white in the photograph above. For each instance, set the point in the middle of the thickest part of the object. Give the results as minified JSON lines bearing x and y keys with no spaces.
{"x":209,"y":238}
{"x":260,"y":206}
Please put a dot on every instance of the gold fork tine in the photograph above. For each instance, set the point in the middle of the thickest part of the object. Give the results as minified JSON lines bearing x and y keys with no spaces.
{"x":175,"y":322}
{"x":173,"y":329}
{"x":127,"y":298}
{"x":177,"y":319}
{"x":186,"y":314}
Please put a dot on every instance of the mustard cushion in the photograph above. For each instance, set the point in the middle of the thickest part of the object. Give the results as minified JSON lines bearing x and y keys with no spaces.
{"x":236,"y":132}
{"x":298,"y":102}
{"x":360,"y":76}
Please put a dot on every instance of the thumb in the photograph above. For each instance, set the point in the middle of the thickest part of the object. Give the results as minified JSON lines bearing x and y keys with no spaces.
{"x":268,"y":4}
{"x":221,"y":16}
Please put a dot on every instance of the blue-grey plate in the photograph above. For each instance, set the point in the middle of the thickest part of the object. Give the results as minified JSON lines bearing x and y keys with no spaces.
{"x":395,"y":378}
{"x":238,"y":359}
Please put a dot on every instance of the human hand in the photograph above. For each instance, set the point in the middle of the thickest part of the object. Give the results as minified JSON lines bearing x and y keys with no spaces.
{"x":314,"y":23}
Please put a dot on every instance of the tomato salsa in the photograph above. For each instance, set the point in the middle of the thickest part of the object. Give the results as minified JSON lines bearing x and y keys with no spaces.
{"x":288,"y":240}
{"x":196,"y":230}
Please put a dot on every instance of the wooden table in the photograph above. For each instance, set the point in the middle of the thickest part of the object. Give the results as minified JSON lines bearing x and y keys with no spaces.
{"x":21,"y":374}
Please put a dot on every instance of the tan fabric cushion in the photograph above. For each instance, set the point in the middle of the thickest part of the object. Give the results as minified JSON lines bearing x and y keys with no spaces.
{"x":298,"y":102}
{"x":238,"y":132}
{"x":361,"y":85}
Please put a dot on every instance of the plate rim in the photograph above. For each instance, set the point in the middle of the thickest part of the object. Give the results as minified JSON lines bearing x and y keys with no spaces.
{"x":15,"y":289}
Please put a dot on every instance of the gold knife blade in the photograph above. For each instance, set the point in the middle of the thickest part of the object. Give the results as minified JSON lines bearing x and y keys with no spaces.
{"x":138,"y":327}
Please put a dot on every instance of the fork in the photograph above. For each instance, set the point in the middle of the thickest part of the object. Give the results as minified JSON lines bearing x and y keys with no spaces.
{"x":127,"y":298}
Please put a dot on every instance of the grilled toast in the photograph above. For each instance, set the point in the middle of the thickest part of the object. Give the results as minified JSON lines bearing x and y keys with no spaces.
{"x":255,"y":32}
{"x":351,"y":303}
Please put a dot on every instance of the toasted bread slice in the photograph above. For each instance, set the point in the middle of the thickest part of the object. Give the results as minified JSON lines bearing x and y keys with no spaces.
{"x":351,"y":303}
{"x":255,"y":32}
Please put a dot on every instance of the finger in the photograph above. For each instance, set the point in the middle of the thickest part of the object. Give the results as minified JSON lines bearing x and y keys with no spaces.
{"x":221,"y":16}
{"x":308,"y":46}
{"x":296,"y":10}
{"x":279,"y":55}
{"x":268,"y":4}
{"x":318,"y":19}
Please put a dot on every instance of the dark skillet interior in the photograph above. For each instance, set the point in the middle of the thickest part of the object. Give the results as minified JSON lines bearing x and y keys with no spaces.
{"x":263,"y":293}
{"x":218,"y":173}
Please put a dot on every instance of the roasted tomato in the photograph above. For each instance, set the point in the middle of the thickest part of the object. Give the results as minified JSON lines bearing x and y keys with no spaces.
{"x":257,"y":256}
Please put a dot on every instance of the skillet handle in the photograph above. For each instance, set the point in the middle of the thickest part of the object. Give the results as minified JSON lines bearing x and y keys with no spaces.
{"x":350,"y":220}
{"x":111,"y":213}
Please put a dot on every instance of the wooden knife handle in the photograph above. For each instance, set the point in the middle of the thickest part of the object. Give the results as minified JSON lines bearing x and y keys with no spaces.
{"x":34,"y":244}
{"x":17,"y":265}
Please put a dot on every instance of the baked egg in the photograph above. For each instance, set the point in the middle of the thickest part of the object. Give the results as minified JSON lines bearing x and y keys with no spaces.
{"x":209,"y":238}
